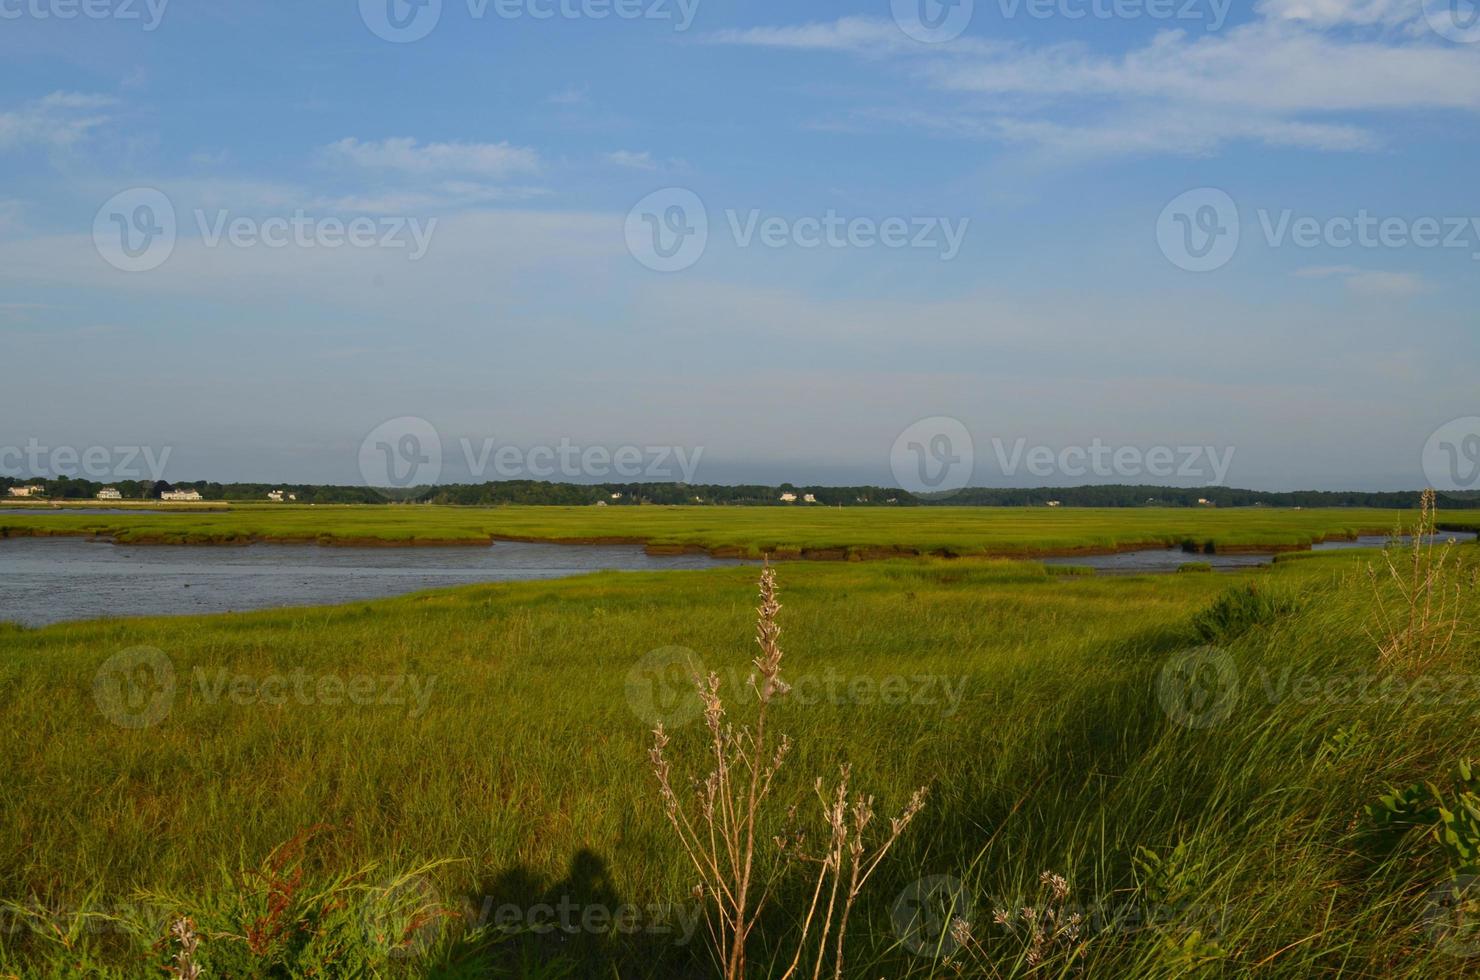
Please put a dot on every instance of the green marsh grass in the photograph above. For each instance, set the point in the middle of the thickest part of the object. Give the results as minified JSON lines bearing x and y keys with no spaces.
{"x":1231,"y":848}
{"x":751,"y":531}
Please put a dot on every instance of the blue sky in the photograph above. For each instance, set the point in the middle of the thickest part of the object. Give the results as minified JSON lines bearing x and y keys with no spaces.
{"x":1051,"y":144}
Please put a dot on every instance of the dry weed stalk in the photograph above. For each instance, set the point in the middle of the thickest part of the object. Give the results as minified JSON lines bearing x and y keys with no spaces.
{"x":720,"y":834}
{"x":846,"y":857}
{"x":1417,"y":627}
{"x":184,"y":967}
{"x":1046,"y":934}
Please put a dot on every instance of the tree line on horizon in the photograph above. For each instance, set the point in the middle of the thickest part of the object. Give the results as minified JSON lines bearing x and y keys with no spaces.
{"x":745,"y":495}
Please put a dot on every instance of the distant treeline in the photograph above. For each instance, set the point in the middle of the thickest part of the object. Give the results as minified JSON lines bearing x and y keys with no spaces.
{"x":1120,"y":495}
{"x":746,"y":495}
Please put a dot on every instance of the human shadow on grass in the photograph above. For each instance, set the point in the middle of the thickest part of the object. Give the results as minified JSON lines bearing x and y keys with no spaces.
{"x":581,"y":926}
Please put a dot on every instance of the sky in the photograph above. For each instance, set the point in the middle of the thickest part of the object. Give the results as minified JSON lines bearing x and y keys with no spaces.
{"x":995,"y":242}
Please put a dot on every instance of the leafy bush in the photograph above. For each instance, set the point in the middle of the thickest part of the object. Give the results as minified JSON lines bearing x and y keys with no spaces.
{"x":1240,"y":609}
{"x":1453,"y":819}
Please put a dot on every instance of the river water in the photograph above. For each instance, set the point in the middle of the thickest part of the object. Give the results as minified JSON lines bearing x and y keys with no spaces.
{"x":1171,"y":559}
{"x":51,"y":580}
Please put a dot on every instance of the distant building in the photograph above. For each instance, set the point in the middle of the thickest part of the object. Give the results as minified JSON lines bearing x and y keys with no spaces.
{"x":616,"y":496}
{"x":808,"y":498}
{"x":601,"y":503}
{"x":1204,"y":502}
{"x":180,"y":495}
{"x":788,"y":498}
{"x":31,"y":490}
{"x":1055,"y":503}
{"x":109,"y":493}
{"x":276,"y":496}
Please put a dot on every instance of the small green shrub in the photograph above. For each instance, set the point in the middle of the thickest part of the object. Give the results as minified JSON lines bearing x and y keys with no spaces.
{"x":1240,"y":609}
{"x":1453,"y":818}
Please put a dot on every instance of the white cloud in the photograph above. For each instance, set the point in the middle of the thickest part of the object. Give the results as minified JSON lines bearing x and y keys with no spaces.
{"x":1369,"y":282}
{"x":569,"y":97}
{"x":432,"y":197}
{"x":851,"y":34}
{"x":407,"y":156}
{"x":1142,"y":131}
{"x":55,"y":121}
{"x":627,"y":158}
{"x":475,"y":259}
{"x":1262,"y":67}
{"x":1279,"y":79}
{"x":1333,"y":13}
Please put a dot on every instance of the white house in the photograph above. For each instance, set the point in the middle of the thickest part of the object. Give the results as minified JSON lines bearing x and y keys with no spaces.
{"x":109,"y":493}
{"x":1204,"y":502}
{"x":1055,"y":503}
{"x":616,"y":496}
{"x":808,"y":498}
{"x":180,"y":495}
{"x":278,"y":496}
{"x":31,"y":490}
{"x":788,"y":498}
{"x":601,"y":503}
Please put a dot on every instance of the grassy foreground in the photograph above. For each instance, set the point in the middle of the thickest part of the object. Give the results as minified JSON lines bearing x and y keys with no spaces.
{"x":369,"y":790}
{"x":749,"y":531}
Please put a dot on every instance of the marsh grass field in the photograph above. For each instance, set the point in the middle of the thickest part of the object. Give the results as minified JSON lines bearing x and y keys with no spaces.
{"x":782,"y":532}
{"x":417,"y":786}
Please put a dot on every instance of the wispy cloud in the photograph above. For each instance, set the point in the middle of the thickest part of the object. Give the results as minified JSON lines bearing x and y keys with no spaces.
{"x":1279,"y":79}
{"x":56,"y":121}
{"x":569,"y":96}
{"x":1335,"y":13}
{"x":439,"y":196}
{"x":405,"y":155}
{"x":856,"y":35}
{"x":1369,"y":282}
{"x":633,"y":160}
